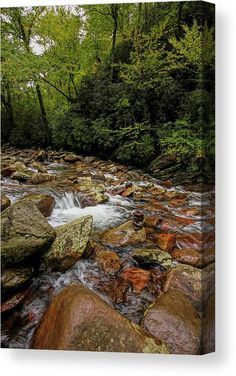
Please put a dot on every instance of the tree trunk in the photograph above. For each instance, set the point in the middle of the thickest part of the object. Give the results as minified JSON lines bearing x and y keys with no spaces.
{"x":114,"y":12}
{"x":46,"y":130}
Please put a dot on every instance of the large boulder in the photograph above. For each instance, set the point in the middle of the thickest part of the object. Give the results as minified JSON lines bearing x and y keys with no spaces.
{"x":25,"y":232}
{"x":77,"y":319}
{"x":44,"y":203}
{"x":123,"y":235}
{"x":187,"y":279}
{"x":5,"y":202}
{"x":70,"y":244}
{"x":152,"y":256}
{"x":174,"y":320}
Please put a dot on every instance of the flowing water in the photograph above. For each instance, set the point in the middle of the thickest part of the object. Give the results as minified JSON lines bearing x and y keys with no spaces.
{"x":190,"y":219}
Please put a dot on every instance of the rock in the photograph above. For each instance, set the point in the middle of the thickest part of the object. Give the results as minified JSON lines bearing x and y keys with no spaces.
{"x":139,"y":278}
{"x":7,"y":171}
{"x":174,"y":320}
{"x":14,"y":301}
{"x":44,"y":203}
{"x":208,"y":256}
{"x":123,"y":235}
{"x":186,"y":256}
{"x":129,"y":191}
{"x":22,"y":177}
{"x":70,"y":158}
{"x":152,"y":222}
{"x":208,"y":283}
{"x":84,"y":322}
{"x":20,"y":167}
{"x":38,"y":166}
{"x":41,"y":156}
{"x":153,"y":256}
{"x":108,"y":260}
{"x":208,"y":327}
{"x":12,"y":279}
{"x":165,"y":241}
{"x":93,"y":198}
{"x":39,"y":177}
{"x":5,"y":202}
{"x":25,"y":232}
{"x":70,"y":244}
{"x":187,"y":279}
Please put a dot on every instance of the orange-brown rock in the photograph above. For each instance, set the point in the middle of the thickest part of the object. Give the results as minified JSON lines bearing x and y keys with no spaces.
{"x":77,"y":319}
{"x":174,"y":320}
{"x":129,"y":191}
{"x":109,"y":260}
{"x":165,"y":241}
{"x":138,"y":277}
{"x":152,"y":222}
{"x":124,"y":234}
{"x":186,"y":256}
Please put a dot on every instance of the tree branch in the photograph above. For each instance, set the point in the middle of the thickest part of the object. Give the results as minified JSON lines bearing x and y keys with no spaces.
{"x":72,"y":100}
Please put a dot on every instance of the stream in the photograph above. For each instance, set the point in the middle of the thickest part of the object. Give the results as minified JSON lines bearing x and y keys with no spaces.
{"x":185,"y":212}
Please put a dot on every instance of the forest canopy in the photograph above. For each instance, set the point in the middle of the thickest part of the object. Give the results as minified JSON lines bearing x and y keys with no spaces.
{"x":129,"y":82}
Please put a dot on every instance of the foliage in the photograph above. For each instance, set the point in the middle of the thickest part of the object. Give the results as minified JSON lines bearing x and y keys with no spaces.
{"x":125,"y":81}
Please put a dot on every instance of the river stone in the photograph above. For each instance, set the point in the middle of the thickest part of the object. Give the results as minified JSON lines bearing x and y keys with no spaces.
{"x":24,"y":232}
{"x":5,"y":202}
{"x":44,"y":203}
{"x":70,"y":244}
{"x":12,"y":279}
{"x":39,"y":166}
{"x":39,"y":177}
{"x":165,"y":241}
{"x":14,"y":301}
{"x":187,"y":279}
{"x":187,"y":256}
{"x":174,"y":320}
{"x":139,"y":278}
{"x":84,"y":322}
{"x":20,"y":176}
{"x":123,"y":235}
{"x":152,"y":256}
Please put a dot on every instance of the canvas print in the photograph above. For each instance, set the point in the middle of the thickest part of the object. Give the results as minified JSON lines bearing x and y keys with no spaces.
{"x":107,"y":177}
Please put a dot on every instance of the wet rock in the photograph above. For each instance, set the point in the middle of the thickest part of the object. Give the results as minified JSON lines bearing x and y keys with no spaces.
{"x":84,"y":322}
{"x":70,"y":244}
{"x":93,"y":198}
{"x":125,"y":234}
{"x":25,"y":232}
{"x":41,"y":156}
{"x":44,"y":203}
{"x":12,"y":279}
{"x":40,"y":167}
{"x":208,"y":283}
{"x":14,"y":301}
{"x":108,"y":260}
{"x":5,"y":202}
{"x":174,"y":320}
{"x":139,"y":278}
{"x":129,"y":191}
{"x":186,"y":256}
{"x":153,"y":256}
{"x":152,"y":222}
{"x":208,"y":327}
{"x":22,"y":177}
{"x":208,"y":256}
{"x":187,"y":279}
{"x":70,"y":158}
{"x":165,"y":241}
{"x":7,"y":171}
{"x":39,"y":177}
{"x":138,"y":219}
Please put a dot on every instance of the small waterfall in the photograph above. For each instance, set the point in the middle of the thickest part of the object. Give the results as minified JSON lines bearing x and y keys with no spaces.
{"x":68,"y":207}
